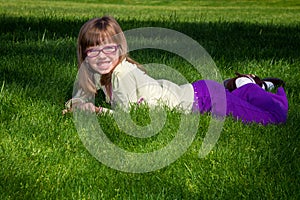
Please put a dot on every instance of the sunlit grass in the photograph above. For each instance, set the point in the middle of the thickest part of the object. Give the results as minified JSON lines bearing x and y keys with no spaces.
{"x":41,"y":154}
{"x":277,"y":12}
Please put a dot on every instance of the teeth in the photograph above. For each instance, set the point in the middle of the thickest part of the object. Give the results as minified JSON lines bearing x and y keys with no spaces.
{"x":104,"y":62}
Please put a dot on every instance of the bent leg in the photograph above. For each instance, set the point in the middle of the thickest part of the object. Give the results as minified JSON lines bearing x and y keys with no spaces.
{"x":249,"y":103}
{"x":253,"y":102}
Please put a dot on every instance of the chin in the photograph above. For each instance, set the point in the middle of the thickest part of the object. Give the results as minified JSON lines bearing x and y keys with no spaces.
{"x":103,"y":71}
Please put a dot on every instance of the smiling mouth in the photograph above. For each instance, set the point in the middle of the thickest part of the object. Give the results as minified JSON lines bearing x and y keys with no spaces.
{"x":104,"y":63}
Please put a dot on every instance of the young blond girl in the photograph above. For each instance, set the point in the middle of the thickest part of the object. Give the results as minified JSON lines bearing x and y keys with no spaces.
{"x":104,"y":64}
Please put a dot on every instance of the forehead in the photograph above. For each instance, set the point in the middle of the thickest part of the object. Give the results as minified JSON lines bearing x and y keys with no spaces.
{"x":101,"y":46}
{"x":99,"y":36}
{"x":98,"y":39}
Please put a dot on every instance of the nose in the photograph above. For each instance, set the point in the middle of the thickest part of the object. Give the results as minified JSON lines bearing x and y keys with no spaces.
{"x":101,"y":55}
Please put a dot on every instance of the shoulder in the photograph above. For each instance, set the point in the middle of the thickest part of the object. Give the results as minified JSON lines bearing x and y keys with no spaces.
{"x":126,"y":68}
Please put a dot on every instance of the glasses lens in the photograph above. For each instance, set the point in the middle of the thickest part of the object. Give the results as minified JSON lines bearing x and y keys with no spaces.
{"x":93,"y":53}
{"x":106,"y":50}
{"x":109,"y":49}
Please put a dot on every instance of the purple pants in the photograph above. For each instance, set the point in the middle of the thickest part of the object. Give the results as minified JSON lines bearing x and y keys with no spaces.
{"x":249,"y":103}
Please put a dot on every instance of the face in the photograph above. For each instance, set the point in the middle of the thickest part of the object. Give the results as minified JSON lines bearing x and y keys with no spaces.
{"x":103,"y":58}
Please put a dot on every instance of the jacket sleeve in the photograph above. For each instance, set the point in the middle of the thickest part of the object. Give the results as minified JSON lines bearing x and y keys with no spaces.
{"x":79,"y":96}
{"x":134,"y":85}
{"x":130,"y":85}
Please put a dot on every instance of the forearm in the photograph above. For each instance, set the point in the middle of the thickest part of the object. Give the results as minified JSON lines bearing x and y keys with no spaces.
{"x":78,"y":103}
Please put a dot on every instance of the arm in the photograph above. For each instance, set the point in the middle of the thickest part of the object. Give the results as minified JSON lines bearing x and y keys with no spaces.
{"x":131,"y":85}
{"x":80,"y":104}
{"x":82,"y":101}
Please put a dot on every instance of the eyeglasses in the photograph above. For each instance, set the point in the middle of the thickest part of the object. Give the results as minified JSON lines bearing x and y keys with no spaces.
{"x":106,"y":50}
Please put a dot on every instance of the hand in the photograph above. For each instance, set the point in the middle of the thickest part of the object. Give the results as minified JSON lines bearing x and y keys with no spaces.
{"x":87,"y":107}
{"x":77,"y":103}
{"x":91,"y":107}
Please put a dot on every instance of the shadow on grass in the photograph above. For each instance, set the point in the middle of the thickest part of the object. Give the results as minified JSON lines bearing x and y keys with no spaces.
{"x":222,"y":39}
{"x":47,"y":40}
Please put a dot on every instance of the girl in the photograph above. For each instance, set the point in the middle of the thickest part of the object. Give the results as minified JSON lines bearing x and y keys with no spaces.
{"x":104,"y":63}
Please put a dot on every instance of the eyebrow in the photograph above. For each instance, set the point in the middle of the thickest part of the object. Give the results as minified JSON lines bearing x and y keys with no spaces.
{"x":102,"y":46}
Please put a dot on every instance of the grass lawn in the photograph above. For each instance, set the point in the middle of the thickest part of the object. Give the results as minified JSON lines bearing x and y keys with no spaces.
{"x":41,"y":153}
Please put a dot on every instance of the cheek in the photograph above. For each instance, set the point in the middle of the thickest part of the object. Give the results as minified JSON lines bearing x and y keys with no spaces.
{"x":114,"y":58}
{"x":116,"y":55}
{"x":90,"y":61}
{"x":115,"y":62}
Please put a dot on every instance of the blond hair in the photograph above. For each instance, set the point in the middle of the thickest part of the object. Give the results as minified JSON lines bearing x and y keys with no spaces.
{"x":99,"y":31}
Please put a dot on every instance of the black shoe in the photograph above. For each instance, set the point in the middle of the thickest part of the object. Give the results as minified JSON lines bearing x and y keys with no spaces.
{"x":275,"y":81}
{"x":230,"y":84}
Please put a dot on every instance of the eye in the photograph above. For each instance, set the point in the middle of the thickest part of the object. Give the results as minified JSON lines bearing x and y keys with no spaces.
{"x":92,"y":52}
{"x":109,"y":49}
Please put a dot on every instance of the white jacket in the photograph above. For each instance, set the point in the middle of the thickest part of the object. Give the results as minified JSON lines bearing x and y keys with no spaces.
{"x":132,"y":85}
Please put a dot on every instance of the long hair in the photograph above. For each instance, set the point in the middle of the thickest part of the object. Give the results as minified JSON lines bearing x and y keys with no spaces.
{"x":99,"y":31}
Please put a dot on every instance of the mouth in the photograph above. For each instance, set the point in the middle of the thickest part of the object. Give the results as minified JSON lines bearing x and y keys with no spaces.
{"x":104,"y":63}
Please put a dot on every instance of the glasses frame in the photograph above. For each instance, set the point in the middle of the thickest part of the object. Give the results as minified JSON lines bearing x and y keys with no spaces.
{"x":102,"y":50}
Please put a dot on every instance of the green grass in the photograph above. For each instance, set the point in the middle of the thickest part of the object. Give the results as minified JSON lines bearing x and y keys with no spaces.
{"x":41,"y":154}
